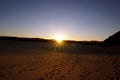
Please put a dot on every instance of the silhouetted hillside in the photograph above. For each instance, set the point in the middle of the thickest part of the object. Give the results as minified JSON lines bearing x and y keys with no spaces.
{"x":113,"y":40}
{"x":24,"y":39}
{"x":9,"y":38}
{"x":84,"y":42}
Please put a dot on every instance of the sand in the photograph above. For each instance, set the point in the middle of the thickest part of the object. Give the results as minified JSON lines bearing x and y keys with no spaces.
{"x":23,"y":62}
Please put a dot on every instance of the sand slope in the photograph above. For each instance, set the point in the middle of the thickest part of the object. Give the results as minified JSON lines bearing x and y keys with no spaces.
{"x":32,"y":64}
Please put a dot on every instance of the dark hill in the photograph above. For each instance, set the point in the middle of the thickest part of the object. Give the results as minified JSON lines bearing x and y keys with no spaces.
{"x":24,"y":39}
{"x":113,"y":40}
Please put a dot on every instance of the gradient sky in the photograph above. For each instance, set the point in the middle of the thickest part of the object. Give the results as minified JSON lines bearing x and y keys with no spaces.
{"x":76,"y":19}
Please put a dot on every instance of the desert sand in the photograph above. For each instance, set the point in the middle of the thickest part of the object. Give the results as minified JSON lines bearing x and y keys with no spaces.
{"x":40,"y":61}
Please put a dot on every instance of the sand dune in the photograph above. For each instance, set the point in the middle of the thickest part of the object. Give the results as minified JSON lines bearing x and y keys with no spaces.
{"x":33,"y":61}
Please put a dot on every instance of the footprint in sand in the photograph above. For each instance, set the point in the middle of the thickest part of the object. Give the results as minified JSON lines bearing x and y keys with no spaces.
{"x":84,"y":75}
{"x":58,"y":71}
{"x":68,"y":72}
{"x":1,"y":68}
{"x":41,"y":78}
{"x":11,"y":73}
{"x":12,"y":66}
{"x":52,"y":73}
{"x":2,"y":75}
{"x":62,"y":76}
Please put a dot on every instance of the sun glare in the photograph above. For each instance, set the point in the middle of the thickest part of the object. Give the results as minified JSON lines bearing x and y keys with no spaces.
{"x":59,"y":38}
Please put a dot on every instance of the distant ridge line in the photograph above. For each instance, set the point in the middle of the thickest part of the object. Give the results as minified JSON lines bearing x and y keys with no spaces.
{"x":23,"y":39}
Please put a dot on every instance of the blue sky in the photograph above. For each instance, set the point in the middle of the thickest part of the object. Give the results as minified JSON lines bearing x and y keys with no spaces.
{"x":76,"y":19}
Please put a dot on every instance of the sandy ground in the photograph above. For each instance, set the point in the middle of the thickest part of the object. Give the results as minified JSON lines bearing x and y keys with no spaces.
{"x":31,"y":64}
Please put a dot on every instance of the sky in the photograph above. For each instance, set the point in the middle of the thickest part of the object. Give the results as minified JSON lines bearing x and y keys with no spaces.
{"x":75,"y":19}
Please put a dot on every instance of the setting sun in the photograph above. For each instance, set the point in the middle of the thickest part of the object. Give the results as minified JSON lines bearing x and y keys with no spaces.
{"x":59,"y":38}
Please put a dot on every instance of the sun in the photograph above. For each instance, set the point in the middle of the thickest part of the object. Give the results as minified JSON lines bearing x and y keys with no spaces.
{"x":59,"y":38}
